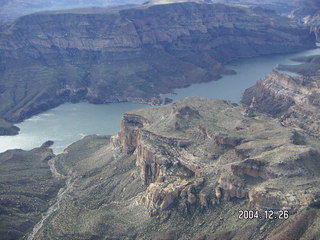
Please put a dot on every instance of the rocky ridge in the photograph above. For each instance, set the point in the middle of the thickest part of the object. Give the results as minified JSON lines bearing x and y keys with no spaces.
{"x":308,"y":13}
{"x":12,"y":9}
{"x":184,"y":171}
{"x":294,"y":100}
{"x":106,"y":56}
{"x":308,"y":66}
{"x":310,"y":17}
{"x":180,"y":170}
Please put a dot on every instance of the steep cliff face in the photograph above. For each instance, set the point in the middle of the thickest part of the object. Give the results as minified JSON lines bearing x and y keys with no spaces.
{"x":186,"y":171}
{"x":314,"y":22}
{"x":277,"y":90}
{"x":130,"y":132}
{"x":132,"y":28}
{"x":219,"y":162}
{"x":309,"y":15}
{"x":130,"y":55}
{"x":294,"y":100}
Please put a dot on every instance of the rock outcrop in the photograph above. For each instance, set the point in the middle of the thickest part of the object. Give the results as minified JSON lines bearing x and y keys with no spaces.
{"x":277,"y":90}
{"x":185,"y":171}
{"x":219,"y":162}
{"x":309,"y":15}
{"x":8,"y":129}
{"x":104,"y":56}
{"x":294,"y":100}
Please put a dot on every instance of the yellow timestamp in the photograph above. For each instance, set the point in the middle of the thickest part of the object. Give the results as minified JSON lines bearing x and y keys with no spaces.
{"x":266,"y":214}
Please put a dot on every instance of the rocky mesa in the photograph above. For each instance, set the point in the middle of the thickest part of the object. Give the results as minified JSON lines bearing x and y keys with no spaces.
{"x":185,"y":171}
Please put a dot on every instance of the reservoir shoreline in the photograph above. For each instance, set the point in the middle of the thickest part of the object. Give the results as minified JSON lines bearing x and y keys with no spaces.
{"x":70,"y":122}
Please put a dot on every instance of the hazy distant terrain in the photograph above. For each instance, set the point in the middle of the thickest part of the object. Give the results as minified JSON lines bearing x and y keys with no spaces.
{"x":11,"y":9}
{"x":105,"y":56}
{"x":281,"y":6}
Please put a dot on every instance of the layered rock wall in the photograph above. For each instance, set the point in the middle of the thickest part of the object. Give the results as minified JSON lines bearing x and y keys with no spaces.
{"x":212,"y":166}
{"x":293,"y":99}
{"x":107,"y":56}
{"x":129,"y":134}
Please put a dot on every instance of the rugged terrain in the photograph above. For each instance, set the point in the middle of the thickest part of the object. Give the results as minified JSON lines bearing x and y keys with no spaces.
{"x":134,"y":54}
{"x":280,"y":6}
{"x":26,"y":188}
{"x":304,"y":12}
{"x":294,"y":100}
{"x":184,"y":171}
{"x":309,"y":16}
{"x":308,"y":67}
{"x":180,"y":171}
{"x":12,"y":9}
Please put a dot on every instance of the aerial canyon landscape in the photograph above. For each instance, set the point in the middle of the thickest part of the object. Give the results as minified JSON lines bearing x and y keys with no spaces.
{"x":160,"y":120}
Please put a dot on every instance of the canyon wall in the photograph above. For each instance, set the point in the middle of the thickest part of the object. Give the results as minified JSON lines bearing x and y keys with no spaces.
{"x":187,"y":170}
{"x":132,"y":54}
{"x":213,"y":164}
{"x":294,"y":100}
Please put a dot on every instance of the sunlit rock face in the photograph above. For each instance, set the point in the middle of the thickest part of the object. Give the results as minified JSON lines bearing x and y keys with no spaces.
{"x":294,"y":100}
{"x":197,"y":153}
{"x":184,"y":170}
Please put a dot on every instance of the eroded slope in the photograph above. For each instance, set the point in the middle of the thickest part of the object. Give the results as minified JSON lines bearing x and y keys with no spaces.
{"x":130,"y":55}
{"x":183,"y":171}
{"x":26,"y":188}
{"x":293,"y":100}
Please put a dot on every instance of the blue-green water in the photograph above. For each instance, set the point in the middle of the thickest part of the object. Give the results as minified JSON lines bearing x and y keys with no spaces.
{"x":70,"y":122}
{"x":249,"y":71}
{"x":67,"y":124}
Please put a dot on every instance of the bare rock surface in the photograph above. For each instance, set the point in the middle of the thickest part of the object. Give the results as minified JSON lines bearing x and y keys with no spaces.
{"x":294,"y":100}
{"x":184,"y":171}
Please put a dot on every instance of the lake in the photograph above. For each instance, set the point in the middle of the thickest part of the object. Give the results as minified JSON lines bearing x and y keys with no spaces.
{"x":249,"y":71}
{"x":70,"y":122}
{"x":66,"y":124}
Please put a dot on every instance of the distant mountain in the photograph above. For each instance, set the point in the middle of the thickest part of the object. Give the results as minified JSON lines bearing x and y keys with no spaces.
{"x":12,"y":9}
{"x":280,"y":6}
{"x":135,"y":54}
{"x":158,"y":2}
{"x":304,"y":12}
{"x":309,"y":15}
{"x":195,"y":169}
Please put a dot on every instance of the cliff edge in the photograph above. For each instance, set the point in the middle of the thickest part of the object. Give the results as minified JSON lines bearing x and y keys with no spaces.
{"x":189,"y":170}
{"x":133,"y":54}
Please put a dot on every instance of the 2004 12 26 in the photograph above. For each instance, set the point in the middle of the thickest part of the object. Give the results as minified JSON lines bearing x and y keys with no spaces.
{"x":266,"y":214}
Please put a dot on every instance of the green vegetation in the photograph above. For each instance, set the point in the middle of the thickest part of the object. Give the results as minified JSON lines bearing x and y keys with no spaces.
{"x":27,"y":187}
{"x":254,"y":162}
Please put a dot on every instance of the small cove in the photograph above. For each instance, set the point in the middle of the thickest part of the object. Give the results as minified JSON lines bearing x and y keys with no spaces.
{"x":70,"y":122}
{"x":66,"y":124}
